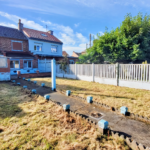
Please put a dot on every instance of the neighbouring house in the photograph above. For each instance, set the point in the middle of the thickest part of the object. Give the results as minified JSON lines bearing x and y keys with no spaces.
{"x":65,"y":54}
{"x":75,"y":54}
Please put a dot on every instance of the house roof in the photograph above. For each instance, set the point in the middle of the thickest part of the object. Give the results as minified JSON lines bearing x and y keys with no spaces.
{"x":77,"y":53}
{"x":65,"y":53}
{"x":35,"y":34}
{"x":8,"y":32}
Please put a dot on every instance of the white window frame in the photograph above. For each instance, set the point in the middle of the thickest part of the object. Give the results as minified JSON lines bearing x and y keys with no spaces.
{"x":15,"y":60}
{"x":56,"y":48}
{"x":27,"y":64}
{"x":40,"y":47}
{"x":17,"y":42}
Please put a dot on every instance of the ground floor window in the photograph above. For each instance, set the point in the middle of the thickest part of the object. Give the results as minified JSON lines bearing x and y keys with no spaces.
{"x":14,"y":64}
{"x":27,"y":64}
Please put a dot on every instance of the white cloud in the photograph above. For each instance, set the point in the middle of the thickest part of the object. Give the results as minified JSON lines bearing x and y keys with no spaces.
{"x":8,"y":25}
{"x":27,"y":23}
{"x":67,"y":39}
{"x":81,"y":37}
{"x":79,"y":48}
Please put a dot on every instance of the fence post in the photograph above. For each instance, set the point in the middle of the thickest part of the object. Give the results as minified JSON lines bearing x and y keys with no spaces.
{"x":93,"y":71}
{"x":117,"y":74}
{"x":75,"y":71}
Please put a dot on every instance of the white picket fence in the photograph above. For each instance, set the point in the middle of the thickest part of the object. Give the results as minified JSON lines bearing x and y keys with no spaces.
{"x":127,"y":75}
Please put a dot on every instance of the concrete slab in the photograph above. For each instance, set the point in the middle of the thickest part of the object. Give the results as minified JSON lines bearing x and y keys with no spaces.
{"x":139,"y":131}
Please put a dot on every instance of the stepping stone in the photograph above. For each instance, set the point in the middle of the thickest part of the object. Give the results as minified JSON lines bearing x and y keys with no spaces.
{"x":47,"y":97}
{"x":66,"y":107}
{"x":68,"y":92}
{"x":18,"y":83}
{"x":103,"y":124}
{"x":35,"y":82}
{"x":43,"y":84}
{"x":33,"y":91}
{"x":123,"y":110}
{"x":25,"y":87}
{"x":13,"y":81}
{"x":89,"y":99}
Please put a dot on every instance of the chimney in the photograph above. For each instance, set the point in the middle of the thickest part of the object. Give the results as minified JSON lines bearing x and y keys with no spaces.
{"x":50,"y":32}
{"x":20,"y":25}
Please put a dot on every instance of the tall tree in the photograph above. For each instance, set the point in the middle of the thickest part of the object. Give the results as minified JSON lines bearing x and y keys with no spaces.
{"x":129,"y":42}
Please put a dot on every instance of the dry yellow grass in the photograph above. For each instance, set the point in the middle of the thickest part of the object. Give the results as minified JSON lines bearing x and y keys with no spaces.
{"x":138,"y":101}
{"x":30,"y":122}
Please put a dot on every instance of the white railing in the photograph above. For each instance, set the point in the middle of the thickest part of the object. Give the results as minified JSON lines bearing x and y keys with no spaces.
{"x":135,"y":72}
{"x":128,"y":75}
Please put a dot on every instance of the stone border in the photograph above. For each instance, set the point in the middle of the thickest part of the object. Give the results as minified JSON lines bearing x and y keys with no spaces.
{"x":130,"y":142}
{"x":132,"y":115}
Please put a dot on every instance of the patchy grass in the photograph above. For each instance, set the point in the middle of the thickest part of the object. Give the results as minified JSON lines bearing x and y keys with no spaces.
{"x":138,"y":101}
{"x":30,"y":122}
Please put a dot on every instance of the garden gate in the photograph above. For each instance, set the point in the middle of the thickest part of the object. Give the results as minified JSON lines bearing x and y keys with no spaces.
{"x":44,"y":65}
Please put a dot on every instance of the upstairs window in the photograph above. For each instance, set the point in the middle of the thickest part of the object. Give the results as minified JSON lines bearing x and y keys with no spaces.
{"x":14,"y":64}
{"x":37,"y":47}
{"x":54,"y":48}
{"x":27,"y":64}
{"x":16,"y":45}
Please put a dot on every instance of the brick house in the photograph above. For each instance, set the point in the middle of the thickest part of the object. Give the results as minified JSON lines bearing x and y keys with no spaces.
{"x":14,"y":46}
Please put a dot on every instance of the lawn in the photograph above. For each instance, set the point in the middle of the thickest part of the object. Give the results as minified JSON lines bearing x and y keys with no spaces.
{"x":30,"y":122}
{"x":138,"y":101}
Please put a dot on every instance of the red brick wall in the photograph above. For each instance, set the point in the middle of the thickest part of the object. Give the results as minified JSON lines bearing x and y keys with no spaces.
{"x":6,"y":69}
{"x":5,"y":44}
{"x":21,"y":63}
{"x":35,"y":63}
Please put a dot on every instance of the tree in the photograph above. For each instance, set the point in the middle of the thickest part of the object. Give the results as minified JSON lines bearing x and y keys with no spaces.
{"x":129,"y":42}
{"x":63,"y":64}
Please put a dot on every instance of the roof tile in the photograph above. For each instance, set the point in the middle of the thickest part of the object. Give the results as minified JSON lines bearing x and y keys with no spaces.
{"x":31,"y":33}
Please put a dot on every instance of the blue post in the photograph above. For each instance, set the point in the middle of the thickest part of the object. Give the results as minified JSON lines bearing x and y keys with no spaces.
{"x":53,"y":73}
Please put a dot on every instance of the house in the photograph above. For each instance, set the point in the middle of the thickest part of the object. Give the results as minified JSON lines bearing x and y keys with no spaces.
{"x":14,"y":46}
{"x":65,"y":53}
{"x":75,"y":54}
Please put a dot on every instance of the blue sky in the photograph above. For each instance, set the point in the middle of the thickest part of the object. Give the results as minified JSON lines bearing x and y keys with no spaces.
{"x":71,"y":20}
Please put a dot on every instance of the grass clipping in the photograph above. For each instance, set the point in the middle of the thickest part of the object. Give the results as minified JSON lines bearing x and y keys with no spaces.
{"x":30,"y":122}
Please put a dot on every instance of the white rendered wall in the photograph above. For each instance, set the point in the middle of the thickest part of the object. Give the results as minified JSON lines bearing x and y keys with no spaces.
{"x":46,"y":48}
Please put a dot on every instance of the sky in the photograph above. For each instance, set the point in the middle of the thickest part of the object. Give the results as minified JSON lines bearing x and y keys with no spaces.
{"x":71,"y":20}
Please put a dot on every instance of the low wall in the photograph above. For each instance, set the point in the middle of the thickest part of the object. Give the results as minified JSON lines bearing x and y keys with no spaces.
{"x":135,"y":84}
{"x":47,"y":74}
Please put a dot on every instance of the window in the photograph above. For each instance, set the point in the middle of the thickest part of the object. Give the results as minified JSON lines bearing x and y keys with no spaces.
{"x":37,"y":47}
{"x":54,"y":48}
{"x":27,"y":64}
{"x":14,"y":64}
{"x":71,"y":61}
{"x":44,"y":34}
{"x":17,"y":45}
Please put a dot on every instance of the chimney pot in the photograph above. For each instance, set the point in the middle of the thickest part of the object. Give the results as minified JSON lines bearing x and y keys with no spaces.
{"x":50,"y":32}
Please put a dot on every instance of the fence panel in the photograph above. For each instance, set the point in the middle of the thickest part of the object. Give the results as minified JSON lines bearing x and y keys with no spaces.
{"x":84,"y":69}
{"x":134,"y":72}
{"x":105,"y":71}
